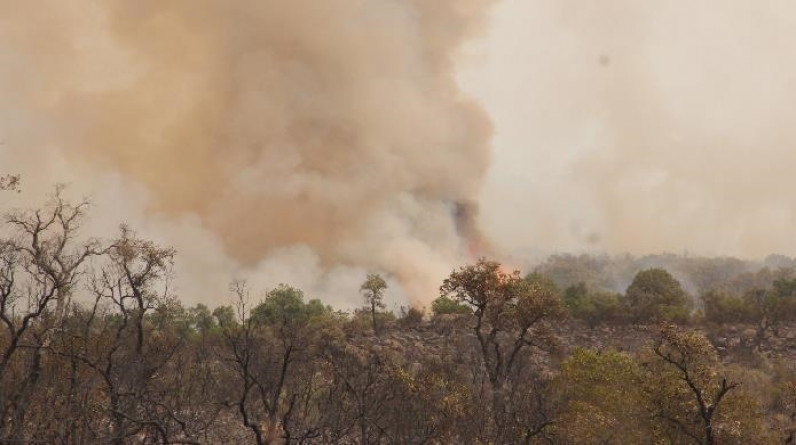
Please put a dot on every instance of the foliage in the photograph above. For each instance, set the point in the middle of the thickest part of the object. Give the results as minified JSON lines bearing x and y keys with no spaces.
{"x":445,"y":305}
{"x":656,"y":295}
{"x":723,"y":307}
{"x":780,"y":302}
{"x":611,"y":273}
{"x":362,"y":319}
{"x":411,"y":316}
{"x":604,"y":401}
{"x":225,"y":316}
{"x":373,"y":290}
{"x":592,"y":307}
{"x":285,"y":305}
{"x":595,"y":272}
{"x":576,"y":298}
{"x":95,"y":348}
{"x":504,"y":300}
{"x":511,"y":315}
{"x":691,"y":397}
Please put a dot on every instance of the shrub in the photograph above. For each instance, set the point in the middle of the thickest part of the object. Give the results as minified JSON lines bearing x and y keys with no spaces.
{"x":592,"y":307}
{"x":722,"y":307}
{"x":446,"y":305}
{"x":655,"y":295}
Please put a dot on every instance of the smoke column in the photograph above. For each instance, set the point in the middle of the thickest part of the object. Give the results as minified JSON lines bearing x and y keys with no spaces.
{"x":331,"y":130}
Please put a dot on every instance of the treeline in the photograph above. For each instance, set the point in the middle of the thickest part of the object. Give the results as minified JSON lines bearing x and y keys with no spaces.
{"x":722,"y":290}
{"x":697,"y":274}
{"x":488,"y":364}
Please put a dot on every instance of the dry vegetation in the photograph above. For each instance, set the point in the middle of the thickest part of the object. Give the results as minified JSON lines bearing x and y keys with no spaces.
{"x":552,"y":357}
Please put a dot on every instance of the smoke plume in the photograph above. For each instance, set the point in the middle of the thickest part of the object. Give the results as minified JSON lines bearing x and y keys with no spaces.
{"x":643,"y":126}
{"x":328,"y":131}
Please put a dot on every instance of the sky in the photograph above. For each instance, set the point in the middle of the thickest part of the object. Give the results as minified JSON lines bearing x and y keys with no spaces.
{"x":639,"y":127}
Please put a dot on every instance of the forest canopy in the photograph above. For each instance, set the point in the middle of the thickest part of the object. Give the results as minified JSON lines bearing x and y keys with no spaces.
{"x":95,"y":347}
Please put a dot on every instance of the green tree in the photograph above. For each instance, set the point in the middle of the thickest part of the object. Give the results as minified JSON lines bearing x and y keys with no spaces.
{"x":576,"y":298}
{"x":781,"y":301}
{"x":225,"y":316}
{"x":510,"y":315}
{"x":689,"y":393}
{"x":723,"y":307}
{"x":201,"y":319}
{"x":285,"y":305}
{"x":269,"y":353}
{"x":654,"y":295}
{"x":604,"y":403}
{"x":770,"y":307}
{"x":592,"y":307}
{"x":446,"y":305}
{"x":373,"y":290}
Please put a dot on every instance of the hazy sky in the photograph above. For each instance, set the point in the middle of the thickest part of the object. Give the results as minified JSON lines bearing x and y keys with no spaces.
{"x":640,"y":126}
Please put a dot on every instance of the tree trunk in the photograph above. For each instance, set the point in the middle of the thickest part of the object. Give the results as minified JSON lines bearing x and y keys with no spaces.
{"x":373,"y":317}
{"x":498,"y":410}
{"x":709,"y":439}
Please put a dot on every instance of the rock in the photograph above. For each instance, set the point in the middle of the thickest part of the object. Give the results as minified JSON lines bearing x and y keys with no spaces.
{"x":777,"y":342}
{"x":748,"y":335}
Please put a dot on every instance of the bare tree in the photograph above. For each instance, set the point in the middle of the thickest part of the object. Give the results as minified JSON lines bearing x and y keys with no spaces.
{"x":40,"y":262}
{"x":362,"y":389}
{"x":117,"y":344}
{"x":47,"y":241}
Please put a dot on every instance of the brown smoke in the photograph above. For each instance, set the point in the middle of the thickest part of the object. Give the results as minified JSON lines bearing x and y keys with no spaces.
{"x":335,"y":125}
{"x":465,"y":215}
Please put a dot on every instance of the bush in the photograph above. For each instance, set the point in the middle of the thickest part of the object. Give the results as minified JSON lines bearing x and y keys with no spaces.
{"x":655,"y":295}
{"x":362,"y":320}
{"x":593,"y":308}
{"x":722,"y":307}
{"x":445,"y":305}
{"x":411,"y":316}
{"x":285,"y":305}
{"x":782,"y":299}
